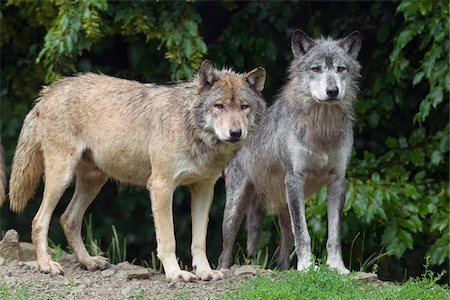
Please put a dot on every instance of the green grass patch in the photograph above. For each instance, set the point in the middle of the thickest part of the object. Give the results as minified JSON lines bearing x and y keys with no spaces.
{"x":324,"y":283}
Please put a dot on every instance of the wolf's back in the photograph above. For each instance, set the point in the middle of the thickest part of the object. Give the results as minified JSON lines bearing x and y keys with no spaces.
{"x":28,"y":164}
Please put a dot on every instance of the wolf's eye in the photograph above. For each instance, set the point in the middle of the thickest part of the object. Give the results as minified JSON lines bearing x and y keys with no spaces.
{"x":245,"y":106}
{"x":218,"y":106}
{"x":315,"y":69}
{"x":341,"y":69}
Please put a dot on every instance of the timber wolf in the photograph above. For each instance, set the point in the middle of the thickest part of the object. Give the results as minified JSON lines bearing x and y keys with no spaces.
{"x":303,"y":142}
{"x":96,"y":127}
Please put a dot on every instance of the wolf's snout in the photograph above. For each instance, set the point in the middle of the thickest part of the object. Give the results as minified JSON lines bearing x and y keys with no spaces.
{"x":332,"y":92}
{"x":235,"y":133}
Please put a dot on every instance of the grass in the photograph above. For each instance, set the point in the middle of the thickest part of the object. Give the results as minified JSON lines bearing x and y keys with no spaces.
{"x":23,"y":293}
{"x":324,"y":283}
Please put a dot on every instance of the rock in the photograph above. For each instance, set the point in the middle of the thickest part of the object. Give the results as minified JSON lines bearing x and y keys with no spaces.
{"x":27,"y":251}
{"x":141,"y":273}
{"x":366,"y":277}
{"x":108,"y":272}
{"x":227,"y":273}
{"x":126,"y":266}
{"x":31,"y":264}
{"x":2,"y":261}
{"x":10,"y":281}
{"x":68,"y":258}
{"x":122,"y":275}
{"x":242,"y":270}
{"x":9,"y":246}
{"x":127,"y":290}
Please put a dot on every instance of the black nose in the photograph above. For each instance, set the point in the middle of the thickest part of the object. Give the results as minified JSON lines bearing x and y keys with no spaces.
{"x":333,"y":92}
{"x":235,"y":133}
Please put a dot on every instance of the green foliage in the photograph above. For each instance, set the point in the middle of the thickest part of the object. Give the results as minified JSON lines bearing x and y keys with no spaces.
{"x":327,"y":284}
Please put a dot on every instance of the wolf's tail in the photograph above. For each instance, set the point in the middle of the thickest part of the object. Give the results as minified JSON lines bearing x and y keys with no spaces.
{"x":28,"y":164}
{"x":2,"y":177}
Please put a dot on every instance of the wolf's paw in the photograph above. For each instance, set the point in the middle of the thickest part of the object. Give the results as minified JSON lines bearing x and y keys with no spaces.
{"x":339,"y":266}
{"x":304,"y":265}
{"x":208,"y":275}
{"x":92,"y":263}
{"x":51,"y":267}
{"x":181,"y":275}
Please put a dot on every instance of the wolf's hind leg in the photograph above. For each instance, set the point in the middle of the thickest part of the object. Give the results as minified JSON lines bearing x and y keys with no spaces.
{"x":58,"y":175}
{"x":88,"y":184}
{"x":255,"y":218}
{"x":286,"y":239}
{"x":239,"y":193}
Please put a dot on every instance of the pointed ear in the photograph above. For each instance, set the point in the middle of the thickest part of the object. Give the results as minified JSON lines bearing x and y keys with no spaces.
{"x":256,"y":78}
{"x":206,"y":75}
{"x":301,"y":43}
{"x":352,"y":43}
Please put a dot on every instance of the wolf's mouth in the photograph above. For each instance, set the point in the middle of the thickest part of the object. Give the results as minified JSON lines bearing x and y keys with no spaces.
{"x":232,"y":141}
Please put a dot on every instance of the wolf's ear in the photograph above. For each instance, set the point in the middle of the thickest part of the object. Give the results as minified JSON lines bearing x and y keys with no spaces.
{"x":206,"y":75}
{"x":256,"y":78}
{"x":352,"y":43}
{"x":301,"y":43}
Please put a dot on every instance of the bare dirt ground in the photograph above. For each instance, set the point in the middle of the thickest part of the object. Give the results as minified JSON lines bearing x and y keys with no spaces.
{"x":113,"y":283}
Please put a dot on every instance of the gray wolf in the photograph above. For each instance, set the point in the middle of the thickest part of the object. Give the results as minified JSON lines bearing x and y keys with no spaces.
{"x":304,"y":141}
{"x":98,"y":127}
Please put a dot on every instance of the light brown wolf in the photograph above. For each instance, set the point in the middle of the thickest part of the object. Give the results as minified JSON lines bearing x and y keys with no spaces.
{"x":96,"y":127}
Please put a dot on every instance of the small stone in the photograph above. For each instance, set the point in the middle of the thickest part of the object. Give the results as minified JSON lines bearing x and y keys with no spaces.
{"x":27,"y":251}
{"x":244,"y":270}
{"x":32,"y":264}
{"x":108,"y":272}
{"x":10,"y":281}
{"x":227,"y":273}
{"x":126,"y":290}
{"x":366,"y":277}
{"x":2,"y":261}
{"x":20,"y":263}
{"x":9,"y":246}
{"x":122,"y":275}
{"x":141,"y":273}
{"x":127,"y":266}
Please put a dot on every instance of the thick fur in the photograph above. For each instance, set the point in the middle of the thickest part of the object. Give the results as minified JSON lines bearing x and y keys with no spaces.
{"x":303,"y":142}
{"x":98,"y":127}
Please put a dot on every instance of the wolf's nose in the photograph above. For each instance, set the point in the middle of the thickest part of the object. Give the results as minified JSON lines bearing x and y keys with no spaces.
{"x":333,"y":92}
{"x":235,"y":133}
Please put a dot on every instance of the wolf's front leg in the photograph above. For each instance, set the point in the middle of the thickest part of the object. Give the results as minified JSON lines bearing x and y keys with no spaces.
{"x":336,"y":200}
{"x":295,"y":194}
{"x":202,"y":196}
{"x":161,"y":191}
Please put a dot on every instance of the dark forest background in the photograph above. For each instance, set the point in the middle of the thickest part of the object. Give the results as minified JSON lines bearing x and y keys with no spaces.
{"x":397,"y":208}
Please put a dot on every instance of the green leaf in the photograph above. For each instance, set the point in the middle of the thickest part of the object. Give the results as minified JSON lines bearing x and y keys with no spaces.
{"x":391,"y":143}
{"x":417,"y":157}
{"x":406,"y":238}
{"x":418,"y":78}
{"x":436,"y":157}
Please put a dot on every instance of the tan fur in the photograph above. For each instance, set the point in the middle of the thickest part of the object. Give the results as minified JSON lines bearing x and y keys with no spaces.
{"x":96,"y":126}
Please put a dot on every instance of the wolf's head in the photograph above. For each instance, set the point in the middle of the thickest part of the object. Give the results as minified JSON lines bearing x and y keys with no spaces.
{"x":325,"y":69}
{"x":230,"y":104}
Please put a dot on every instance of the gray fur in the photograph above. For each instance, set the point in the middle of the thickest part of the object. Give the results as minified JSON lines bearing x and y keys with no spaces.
{"x":303,"y":142}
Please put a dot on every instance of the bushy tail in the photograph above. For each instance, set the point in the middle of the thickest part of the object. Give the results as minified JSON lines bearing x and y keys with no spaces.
{"x":2,"y":178}
{"x":28,"y":164}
